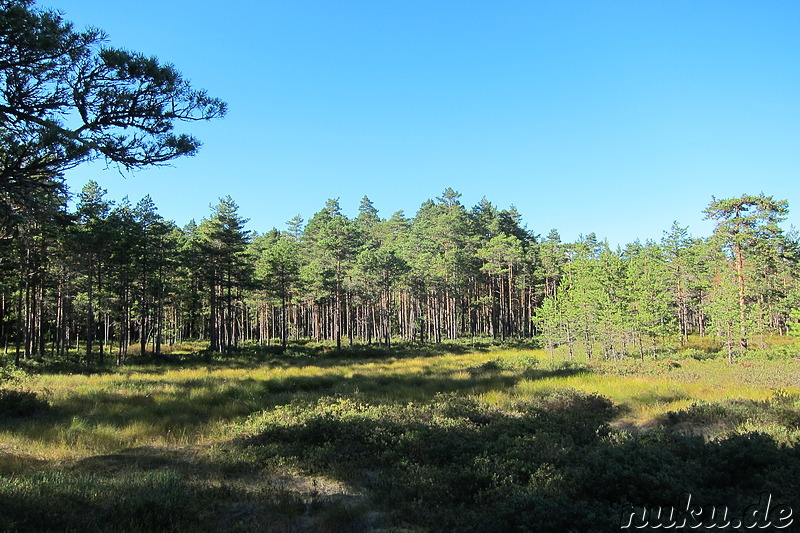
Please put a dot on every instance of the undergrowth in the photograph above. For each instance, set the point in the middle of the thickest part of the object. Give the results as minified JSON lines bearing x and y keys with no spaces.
{"x":418,"y":438}
{"x":550,"y":463}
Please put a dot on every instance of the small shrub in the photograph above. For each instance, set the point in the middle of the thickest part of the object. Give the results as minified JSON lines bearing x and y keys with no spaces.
{"x":734,"y":416}
{"x":708,"y":344}
{"x":17,"y":403}
{"x":494,"y":365}
{"x":784,"y":397}
{"x":775,"y":353}
{"x":522,"y":362}
{"x":699,"y":355}
{"x":11,"y":375}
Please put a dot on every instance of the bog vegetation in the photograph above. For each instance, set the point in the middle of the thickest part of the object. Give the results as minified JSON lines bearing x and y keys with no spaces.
{"x":441,"y":437}
{"x":349,"y":374}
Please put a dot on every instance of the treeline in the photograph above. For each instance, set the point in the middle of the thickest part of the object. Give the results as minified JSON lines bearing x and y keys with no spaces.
{"x":111,"y":280}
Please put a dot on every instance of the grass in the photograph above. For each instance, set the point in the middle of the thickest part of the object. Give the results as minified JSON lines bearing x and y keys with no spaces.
{"x":428,"y":438}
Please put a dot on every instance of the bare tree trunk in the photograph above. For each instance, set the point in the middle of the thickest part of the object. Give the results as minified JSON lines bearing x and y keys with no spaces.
{"x":90,"y":315}
{"x":742,"y":303}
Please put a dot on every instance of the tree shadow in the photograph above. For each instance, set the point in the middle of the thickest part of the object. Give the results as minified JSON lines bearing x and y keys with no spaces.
{"x":160,"y":489}
{"x":177,"y":410}
{"x":428,"y":456}
{"x":250,"y":356}
{"x":457,"y":465}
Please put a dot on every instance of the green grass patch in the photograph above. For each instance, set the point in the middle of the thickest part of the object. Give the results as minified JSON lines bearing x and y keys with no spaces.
{"x":156,"y":501}
{"x":435,"y":438}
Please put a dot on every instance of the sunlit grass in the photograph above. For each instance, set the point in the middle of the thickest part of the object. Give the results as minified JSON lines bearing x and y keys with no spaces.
{"x":654,"y":388}
{"x":172,"y":406}
{"x":177,"y":425}
{"x":642,"y":398}
{"x":134,"y":406}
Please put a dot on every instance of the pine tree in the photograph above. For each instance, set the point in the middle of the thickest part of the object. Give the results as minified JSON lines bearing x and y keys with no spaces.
{"x":333,"y":241}
{"x":747,"y":227}
{"x":93,"y":241}
{"x":648,"y":283}
{"x":223,"y":244}
{"x":677,"y":245}
{"x":278,"y":267}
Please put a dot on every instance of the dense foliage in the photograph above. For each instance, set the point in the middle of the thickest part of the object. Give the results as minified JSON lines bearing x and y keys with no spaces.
{"x":111,"y":280}
{"x":119,"y":279}
{"x":67,"y":98}
{"x":546,"y":464}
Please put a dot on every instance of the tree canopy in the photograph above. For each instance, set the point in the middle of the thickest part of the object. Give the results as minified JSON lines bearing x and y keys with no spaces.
{"x":115,"y":276}
{"x":67,"y":98}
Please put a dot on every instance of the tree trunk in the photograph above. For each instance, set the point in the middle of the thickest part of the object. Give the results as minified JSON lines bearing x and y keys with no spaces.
{"x":742,"y":303}
{"x":90,"y":315}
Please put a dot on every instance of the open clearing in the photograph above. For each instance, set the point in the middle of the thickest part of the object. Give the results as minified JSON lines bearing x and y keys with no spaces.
{"x":421,"y":441}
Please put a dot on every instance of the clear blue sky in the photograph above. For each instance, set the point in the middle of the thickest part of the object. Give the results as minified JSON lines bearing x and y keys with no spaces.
{"x":608,"y":117}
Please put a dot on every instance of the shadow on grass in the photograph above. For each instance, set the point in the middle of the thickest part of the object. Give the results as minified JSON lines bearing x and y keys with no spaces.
{"x":437,"y":462}
{"x":704,"y":418}
{"x":458,"y":465}
{"x":126,"y":411}
{"x":144,"y":458}
{"x":652,"y":397}
{"x":157,"y":489}
{"x":249,"y":356}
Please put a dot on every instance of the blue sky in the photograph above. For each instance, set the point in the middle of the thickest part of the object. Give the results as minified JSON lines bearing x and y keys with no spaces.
{"x":608,"y":117}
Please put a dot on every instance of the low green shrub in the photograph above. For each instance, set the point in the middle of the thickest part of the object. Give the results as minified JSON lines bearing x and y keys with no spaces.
{"x":729,"y":416}
{"x":699,"y":355}
{"x":18,"y":403}
{"x":57,"y":501}
{"x":773,"y":353}
{"x":550,"y":463}
{"x":11,"y":375}
{"x":523,"y":361}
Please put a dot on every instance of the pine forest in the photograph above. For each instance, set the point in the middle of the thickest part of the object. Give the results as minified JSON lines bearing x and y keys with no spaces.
{"x":115,"y":278}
